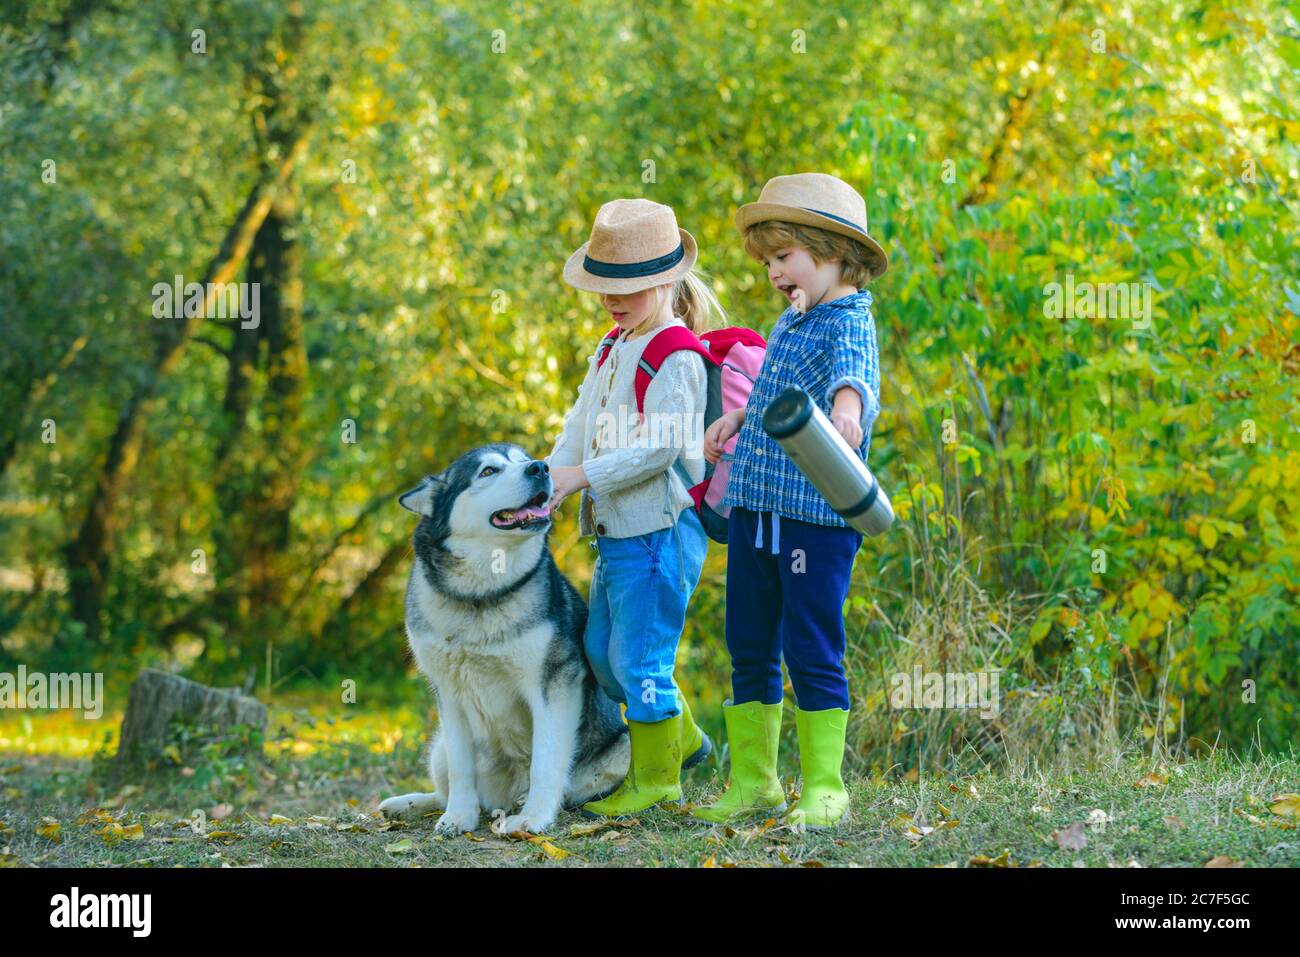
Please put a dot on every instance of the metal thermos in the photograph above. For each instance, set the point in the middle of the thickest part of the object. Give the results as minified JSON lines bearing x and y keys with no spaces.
{"x":835,"y":470}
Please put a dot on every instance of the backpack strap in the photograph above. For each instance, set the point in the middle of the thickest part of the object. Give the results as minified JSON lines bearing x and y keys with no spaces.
{"x":607,"y":343}
{"x":665,"y":343}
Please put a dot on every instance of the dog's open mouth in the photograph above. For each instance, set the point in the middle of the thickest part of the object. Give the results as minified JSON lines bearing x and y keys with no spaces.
{"x":533,"y":513}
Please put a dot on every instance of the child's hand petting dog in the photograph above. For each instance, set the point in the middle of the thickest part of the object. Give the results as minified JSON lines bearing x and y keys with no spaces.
{"x":565,"y":480}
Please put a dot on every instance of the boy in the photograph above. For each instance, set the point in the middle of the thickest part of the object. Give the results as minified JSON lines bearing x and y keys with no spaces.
{"x":789,"y":554}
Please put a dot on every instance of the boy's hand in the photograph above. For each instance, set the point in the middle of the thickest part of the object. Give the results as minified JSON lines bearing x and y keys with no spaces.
{"x":846,"y":415}
{"x":720,"y":432}
{"x":565,"y":480}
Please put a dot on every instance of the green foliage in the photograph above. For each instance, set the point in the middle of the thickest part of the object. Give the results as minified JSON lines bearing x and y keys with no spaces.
{"x":1001,"y":148}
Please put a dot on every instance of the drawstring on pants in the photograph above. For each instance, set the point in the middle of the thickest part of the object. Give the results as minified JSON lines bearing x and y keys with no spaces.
{"x":776,"y":533}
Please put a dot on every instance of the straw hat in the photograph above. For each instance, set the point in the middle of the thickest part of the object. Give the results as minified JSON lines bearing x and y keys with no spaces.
{"x":635,"y":244}
{"x":814,"y":199}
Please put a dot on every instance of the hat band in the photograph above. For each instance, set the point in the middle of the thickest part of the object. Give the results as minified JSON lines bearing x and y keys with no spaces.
{"x":838,"y":219}
{"x":647,"y":267}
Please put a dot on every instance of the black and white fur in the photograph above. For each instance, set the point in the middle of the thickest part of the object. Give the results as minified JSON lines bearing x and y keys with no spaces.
{"x":497,"y":630}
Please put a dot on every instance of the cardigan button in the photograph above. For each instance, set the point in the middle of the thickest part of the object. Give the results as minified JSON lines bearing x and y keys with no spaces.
{"x":600,"y":528}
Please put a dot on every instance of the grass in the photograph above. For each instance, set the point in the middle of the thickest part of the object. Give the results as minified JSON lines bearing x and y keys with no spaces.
{"x":310,"y":801}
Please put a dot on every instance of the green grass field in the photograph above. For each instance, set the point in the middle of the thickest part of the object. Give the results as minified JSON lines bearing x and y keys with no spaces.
{"x":311,"y":803}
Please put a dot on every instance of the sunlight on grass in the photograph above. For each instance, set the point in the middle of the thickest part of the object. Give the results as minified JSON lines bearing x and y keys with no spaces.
{"x":313,"y":722}
{"x":300,"y":724}
{"x":64,"y":734}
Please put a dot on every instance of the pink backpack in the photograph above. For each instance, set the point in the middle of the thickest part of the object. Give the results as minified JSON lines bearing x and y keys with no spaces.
{"x":732,"y":358}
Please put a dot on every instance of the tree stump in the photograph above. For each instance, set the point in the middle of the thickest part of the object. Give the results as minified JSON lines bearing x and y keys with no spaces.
{"x":158,"y":698}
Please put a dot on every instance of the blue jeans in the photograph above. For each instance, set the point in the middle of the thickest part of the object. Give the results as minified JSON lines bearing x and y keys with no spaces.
{"x":639,"y":592}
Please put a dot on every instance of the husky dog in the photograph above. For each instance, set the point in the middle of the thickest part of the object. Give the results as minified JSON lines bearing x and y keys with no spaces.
{"x":497,"y":630}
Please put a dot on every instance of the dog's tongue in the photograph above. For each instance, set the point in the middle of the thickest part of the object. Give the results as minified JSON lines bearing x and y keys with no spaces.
{"x":532,"y":511}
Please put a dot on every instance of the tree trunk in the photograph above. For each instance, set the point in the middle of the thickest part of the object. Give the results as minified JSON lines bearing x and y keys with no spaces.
{"x":158,"y":698}
{"x":332,"y":642}
{"x":89,"y":554}
{"x":281,"y":455}
{"x":11,"y":429}
{"x":263,"y":470}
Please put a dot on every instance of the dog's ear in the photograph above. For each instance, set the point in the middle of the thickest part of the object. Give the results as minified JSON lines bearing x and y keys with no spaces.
{"x":420,"y":499}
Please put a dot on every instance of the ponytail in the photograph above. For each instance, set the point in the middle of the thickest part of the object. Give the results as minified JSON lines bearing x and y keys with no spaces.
{"x":695,"y":303}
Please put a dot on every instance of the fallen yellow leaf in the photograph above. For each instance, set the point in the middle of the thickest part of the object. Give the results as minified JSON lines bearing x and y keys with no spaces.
{"x":552,"y":851}
{"x":50,"y":829}
{"x":1152,"y":780}
{"x":1285,"y":805}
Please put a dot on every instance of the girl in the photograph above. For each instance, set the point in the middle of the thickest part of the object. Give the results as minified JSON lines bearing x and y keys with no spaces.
{"x":634,"y":473}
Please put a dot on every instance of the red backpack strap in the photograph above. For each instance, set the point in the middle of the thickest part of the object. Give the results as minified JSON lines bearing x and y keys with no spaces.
{"x":665,"y":343}
{"x":602,"y":350}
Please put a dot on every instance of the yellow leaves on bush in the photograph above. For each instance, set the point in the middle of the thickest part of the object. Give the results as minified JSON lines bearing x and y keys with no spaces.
{"x":1069,"y":618}
{"x":969,"y":453}
{"x":1116,"y":496}
{"x":1042,"y":625}
{"x":1240,"y":501}
{"x":1150,"y":607}
{"x":1096,"y":518}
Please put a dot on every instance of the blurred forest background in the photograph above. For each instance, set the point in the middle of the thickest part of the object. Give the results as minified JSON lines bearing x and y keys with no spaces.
{"x":1107,"y":510}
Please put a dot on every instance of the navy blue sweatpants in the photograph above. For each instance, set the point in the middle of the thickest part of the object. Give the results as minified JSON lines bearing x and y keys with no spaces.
{"x":786,"y":585}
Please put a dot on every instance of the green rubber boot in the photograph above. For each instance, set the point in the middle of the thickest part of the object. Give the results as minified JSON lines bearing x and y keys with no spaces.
{"x":654,"y":775}
{"x":823,"y":801}
{"x":753,"y":734}
{"x":696,"y":745}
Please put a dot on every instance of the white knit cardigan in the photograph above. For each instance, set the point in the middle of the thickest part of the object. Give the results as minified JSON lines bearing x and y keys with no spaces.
{"x":629,"y":464}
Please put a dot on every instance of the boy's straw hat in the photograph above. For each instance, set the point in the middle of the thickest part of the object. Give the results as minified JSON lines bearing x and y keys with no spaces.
{"x":814,"y":199}
{"x":635,"y":244}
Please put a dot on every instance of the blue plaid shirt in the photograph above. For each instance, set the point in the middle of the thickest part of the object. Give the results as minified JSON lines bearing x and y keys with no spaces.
{"x":830,"y":346}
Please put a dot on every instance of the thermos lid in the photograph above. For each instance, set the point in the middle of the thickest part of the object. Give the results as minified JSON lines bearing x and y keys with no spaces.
{"x":788,"y":413}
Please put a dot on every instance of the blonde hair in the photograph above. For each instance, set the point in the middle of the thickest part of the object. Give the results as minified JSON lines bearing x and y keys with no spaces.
{"x":857,"y":262}
{"x":695,"y":302}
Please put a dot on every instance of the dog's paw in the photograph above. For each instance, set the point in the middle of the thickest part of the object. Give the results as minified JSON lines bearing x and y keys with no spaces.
{"x":525,"y":820}
{"x":457,"y":821}
{"x":409,"y":806}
